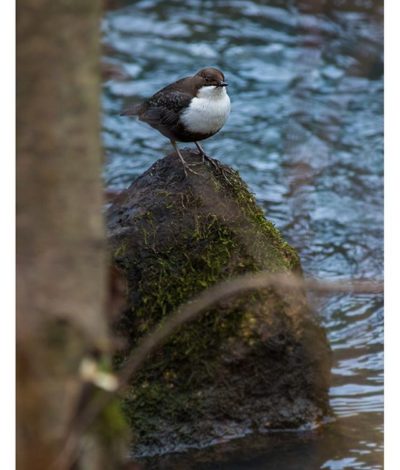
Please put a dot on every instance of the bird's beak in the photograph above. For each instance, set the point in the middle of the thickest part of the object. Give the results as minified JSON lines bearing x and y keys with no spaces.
{"x":222,"y":84}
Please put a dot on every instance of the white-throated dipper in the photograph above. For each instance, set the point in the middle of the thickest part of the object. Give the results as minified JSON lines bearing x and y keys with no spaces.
{"x":191,"y":109}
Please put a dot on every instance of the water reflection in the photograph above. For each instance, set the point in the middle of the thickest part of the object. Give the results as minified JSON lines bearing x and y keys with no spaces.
{"x":338,"y":446}
{"x":306,"y":133}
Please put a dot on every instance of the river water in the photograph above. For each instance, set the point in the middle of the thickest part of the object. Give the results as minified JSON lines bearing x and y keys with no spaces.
{"x":306,"y":134}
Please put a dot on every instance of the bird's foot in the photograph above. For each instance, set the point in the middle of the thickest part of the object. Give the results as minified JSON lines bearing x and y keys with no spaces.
{"x":205,"y":157}
{"x":212,"y":161}
{"x":187,"y":167}
{"x":218,"y":167}
{"x":223,"y":173}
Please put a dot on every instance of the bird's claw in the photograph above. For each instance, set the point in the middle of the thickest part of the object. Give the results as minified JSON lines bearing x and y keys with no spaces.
{"x":214,"y":164}
{"x":186,"y":169}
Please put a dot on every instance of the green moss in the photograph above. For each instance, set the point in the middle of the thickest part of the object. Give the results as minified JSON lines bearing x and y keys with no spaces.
{"x":170,"y":277}
{"x":248,"y":205}
{"x":120,"y":251}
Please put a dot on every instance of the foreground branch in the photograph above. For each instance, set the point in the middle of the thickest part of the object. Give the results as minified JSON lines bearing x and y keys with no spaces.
{"x":211,"y":296}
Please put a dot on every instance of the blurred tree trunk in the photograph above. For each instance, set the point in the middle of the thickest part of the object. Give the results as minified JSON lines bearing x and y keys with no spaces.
{"x":61,"y":259}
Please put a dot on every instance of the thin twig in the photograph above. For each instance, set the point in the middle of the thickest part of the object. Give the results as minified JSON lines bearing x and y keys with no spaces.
{"x":211,"y":296}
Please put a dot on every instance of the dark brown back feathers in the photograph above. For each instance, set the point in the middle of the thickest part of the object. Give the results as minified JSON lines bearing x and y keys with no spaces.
{"x":162,"y":110}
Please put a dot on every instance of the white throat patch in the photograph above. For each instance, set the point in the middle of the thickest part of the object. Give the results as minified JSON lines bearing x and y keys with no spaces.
{"x":207,"y":112}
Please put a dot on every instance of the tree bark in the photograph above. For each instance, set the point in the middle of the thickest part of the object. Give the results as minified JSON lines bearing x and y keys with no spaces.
{"x":61,"y":257}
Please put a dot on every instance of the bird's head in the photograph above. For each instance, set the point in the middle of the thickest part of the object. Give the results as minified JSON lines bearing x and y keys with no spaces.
{"x":211,"y":79}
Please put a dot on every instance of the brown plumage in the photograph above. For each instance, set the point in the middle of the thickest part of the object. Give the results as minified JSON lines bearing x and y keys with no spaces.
{"x":165,"y":110}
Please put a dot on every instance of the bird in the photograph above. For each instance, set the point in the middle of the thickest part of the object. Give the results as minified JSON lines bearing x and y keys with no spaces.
{"x":189,"y":110}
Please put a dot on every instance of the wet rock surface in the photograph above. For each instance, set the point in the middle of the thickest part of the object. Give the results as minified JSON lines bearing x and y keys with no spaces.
{"x":255,"y":362}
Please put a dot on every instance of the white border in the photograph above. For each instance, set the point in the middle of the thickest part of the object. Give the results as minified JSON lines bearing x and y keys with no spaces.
{"x":7,"y":243}
{"x":392,"y":234}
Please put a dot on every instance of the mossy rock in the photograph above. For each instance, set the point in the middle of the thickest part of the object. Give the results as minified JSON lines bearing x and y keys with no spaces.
{"x":255,"y":362}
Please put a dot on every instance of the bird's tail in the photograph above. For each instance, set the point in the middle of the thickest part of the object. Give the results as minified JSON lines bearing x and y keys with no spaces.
{"x":132,"y":110}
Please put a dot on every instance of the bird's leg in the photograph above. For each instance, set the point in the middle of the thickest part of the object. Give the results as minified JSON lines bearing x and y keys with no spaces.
{"x":206,"y":157}
{"x":200,"y":148}
{"x":214,"y":164}
{"x":186,"y":166}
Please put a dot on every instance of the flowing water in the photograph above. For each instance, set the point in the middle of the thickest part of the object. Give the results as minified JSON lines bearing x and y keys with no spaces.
{"x":306,"y":134}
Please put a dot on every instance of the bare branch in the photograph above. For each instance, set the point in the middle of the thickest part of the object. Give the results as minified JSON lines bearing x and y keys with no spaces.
{"x":211,"y":296}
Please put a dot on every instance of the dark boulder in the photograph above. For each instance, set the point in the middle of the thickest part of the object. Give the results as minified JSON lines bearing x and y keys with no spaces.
{"x":255,"y":362}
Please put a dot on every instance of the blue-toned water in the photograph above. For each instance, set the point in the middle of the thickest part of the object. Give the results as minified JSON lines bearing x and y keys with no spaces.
{"x":306,"y":134}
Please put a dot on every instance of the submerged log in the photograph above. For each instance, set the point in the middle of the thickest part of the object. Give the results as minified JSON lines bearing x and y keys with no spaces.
{"x":255,"y":362}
